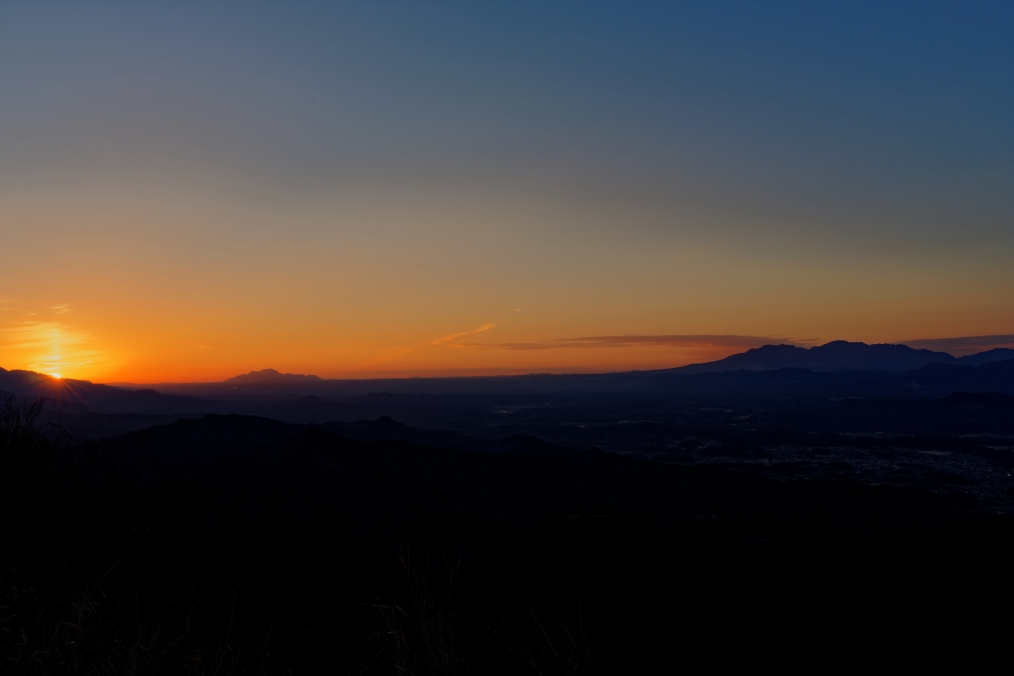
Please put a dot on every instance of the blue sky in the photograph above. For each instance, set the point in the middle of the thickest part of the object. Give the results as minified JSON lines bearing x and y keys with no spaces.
{"x":642,"y":168}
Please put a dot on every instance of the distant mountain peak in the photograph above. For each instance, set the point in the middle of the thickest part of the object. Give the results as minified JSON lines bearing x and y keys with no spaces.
{"x":843,"y":355}
{"x":269,"y":376}
{"x":837,"y":355}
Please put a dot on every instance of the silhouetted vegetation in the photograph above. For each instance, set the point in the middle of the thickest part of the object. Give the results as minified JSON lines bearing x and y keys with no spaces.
{"x":242,"y":545}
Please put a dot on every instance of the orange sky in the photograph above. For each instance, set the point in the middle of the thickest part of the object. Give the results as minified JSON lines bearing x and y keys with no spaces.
{"x":116,"y":289}
{"x":190,"y":192}
{"x":181,"y":273}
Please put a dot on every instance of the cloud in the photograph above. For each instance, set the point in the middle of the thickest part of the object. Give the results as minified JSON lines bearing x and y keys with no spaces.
{"x":450,"y":340}
{"x":464,"y":334}
{"x":677,"y":340}
{"x":964,"y":345}
{"x":46,"y":346}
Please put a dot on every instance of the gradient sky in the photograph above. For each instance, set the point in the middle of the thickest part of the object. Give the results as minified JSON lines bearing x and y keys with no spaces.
{"x":193,"y":190}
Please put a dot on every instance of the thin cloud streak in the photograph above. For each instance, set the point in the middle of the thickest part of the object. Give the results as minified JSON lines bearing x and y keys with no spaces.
{"x":448,"y":341}
{"x":678,"y":340}
{"x":47,"y":346}
{"x":464,"y":334}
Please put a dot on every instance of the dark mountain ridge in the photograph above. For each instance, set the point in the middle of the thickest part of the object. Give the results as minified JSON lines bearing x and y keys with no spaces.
{"x":83,"y":396}
{"x":841,"y":355}
{"x":881,"y":362}
{"x":269,"y":376}
{"x":979,"y":358}
{"x":288,"y":400}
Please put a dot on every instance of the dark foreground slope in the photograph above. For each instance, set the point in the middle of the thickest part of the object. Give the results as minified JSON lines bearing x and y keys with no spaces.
{"x":251,"y":546}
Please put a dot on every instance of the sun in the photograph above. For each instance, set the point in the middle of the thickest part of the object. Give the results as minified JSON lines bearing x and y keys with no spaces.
{"x":56,"y":375}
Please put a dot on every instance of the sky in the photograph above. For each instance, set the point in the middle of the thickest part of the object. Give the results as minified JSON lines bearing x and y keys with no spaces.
{"x":194,"y":190}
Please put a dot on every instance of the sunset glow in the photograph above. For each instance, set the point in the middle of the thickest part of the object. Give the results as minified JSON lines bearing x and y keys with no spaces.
{"x":351,"y":197}
{"x":502,"y":338}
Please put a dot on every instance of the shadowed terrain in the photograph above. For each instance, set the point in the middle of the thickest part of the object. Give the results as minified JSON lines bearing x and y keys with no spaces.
{"x":619,"y":523}
{"x":256,"y":546}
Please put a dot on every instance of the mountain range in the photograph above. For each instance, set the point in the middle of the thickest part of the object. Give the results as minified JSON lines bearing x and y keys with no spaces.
{"x":841,"y":355}
{"x":82,"y":396}
{"x":836,"y":369}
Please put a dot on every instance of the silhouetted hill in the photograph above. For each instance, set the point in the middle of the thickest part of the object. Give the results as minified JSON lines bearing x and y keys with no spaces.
{"x":838,"y":355}
{"x":835,"y":369}
{"x":302,"y":550}
{"x":480,"y":406}
{"x":82,"y":396}
{"x":608,"y":528}
{"x":240,"y":435}
{"x":257,"y":460}
{"x":268,"y":377}
{"x":997,"y":354}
